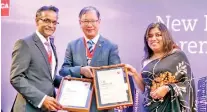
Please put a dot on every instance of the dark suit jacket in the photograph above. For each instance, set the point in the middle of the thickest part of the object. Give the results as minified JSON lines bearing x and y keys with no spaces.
{"x":106,"y":53}
{"x":31,"y":74}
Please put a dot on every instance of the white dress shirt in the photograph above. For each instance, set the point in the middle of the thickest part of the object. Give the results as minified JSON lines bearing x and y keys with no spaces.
{"x":95,"y":39}
{"x":43,"y":40}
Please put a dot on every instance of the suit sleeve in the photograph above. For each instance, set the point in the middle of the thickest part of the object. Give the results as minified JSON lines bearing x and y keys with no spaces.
{"x":57,"y":81}
{"x":18,"y":75}
{"x":67,"y":67}
{"x":114,"y":55}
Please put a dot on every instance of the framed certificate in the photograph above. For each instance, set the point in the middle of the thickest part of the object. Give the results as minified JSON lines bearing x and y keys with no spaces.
{"x":112,"y":87}
{"x":75,"y":94}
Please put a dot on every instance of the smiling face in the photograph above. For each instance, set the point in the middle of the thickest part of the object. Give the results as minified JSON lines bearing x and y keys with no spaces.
{"x":155,"y":40}
{"x":158,"y":40}
{"x":90,"y":23}
{"x":46,"y":23}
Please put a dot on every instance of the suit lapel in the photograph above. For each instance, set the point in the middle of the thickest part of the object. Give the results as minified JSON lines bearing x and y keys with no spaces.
{"x":82,"y":52}
{"x":98,"y":50}
{"x":41,"y":47}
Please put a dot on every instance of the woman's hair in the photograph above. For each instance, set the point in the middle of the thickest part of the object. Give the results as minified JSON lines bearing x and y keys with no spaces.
{"x":168,"y":43}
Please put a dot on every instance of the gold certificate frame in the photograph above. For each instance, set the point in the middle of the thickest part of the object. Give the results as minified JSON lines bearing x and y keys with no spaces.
{"x":112,"y":87}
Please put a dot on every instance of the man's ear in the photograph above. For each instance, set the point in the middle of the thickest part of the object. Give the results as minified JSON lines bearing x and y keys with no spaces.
{"x":80,"y":22}
{"x":36,"y":21}
{"x":99,"y":21}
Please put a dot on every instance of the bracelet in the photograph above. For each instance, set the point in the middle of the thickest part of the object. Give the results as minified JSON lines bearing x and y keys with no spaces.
{"x":168,"y":88}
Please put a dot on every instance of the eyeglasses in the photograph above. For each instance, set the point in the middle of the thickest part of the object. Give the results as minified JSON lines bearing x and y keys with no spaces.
{"x":48,"y":21}
{"x":86,"y":22}
{"x":152,"y":35}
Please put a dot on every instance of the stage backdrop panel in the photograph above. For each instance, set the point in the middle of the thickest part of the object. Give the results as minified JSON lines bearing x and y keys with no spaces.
{"x":122,"y":21}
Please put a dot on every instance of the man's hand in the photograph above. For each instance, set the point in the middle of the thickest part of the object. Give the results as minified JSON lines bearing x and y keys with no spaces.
{"x":86,"y":71}
{"x":51,"y":104}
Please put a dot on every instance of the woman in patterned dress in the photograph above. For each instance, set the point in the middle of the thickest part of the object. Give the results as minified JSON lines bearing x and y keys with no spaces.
{"x":166,"y":79}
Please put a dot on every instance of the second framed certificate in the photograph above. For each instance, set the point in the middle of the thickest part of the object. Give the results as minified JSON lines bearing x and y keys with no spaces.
{"x":75,"y":94}
{"x":112,"y":87}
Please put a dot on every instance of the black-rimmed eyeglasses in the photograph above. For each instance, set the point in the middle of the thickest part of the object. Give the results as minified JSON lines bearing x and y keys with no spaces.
{"x":48,"y":21}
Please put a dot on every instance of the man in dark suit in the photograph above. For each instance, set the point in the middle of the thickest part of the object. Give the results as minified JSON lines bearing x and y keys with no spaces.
{"x":34,"y":65}
{"x":90,"y":50}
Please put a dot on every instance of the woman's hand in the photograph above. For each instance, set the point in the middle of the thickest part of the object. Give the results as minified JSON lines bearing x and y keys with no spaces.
{"x":136,"y":76}
{"x":132,"y":71}
{"x":160,"y":92}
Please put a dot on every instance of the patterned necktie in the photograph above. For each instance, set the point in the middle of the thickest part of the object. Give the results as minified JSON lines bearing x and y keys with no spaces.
{"x":90,"y":46}
{"x":49,"y":52}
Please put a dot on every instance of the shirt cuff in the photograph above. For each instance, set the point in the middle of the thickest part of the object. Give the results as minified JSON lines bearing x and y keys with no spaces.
{"x":40,"y":104}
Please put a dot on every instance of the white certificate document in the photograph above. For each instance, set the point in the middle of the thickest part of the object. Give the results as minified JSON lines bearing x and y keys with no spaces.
{"x":112,"y":86}
{"x":74,"y":93}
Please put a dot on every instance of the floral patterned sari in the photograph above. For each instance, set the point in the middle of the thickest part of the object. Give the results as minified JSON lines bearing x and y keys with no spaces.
{"x":172,"y":70}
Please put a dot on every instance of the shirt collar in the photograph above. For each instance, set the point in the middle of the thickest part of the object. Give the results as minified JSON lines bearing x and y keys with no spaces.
{"x":95,"y":39}
{"x":42,"y":38}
